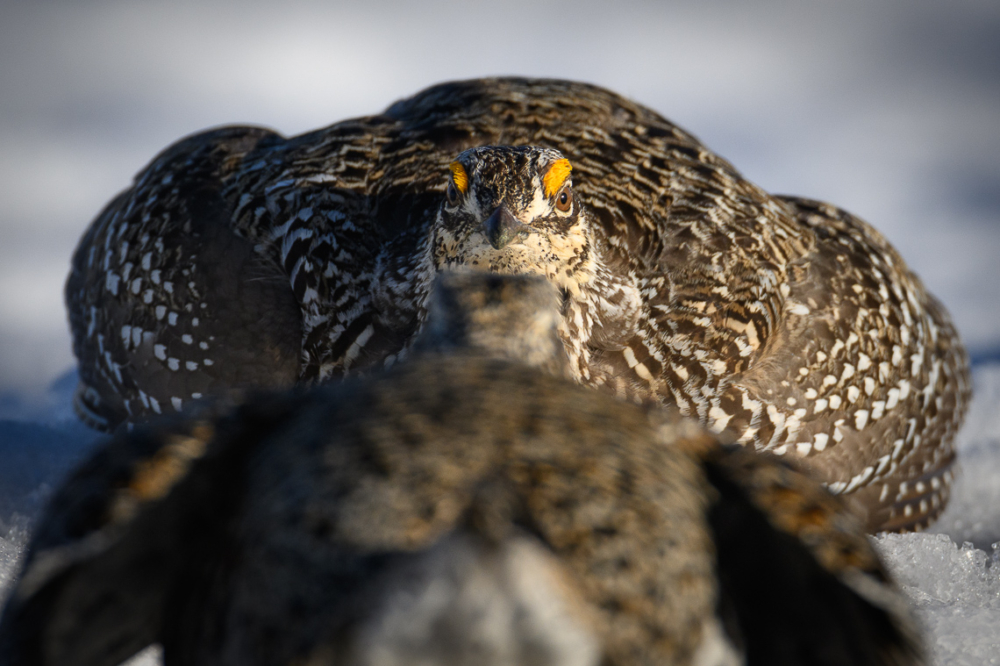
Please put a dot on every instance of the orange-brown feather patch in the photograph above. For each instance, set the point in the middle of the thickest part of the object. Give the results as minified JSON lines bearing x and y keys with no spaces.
{"x":556,"y":176}
{"x":459,"y":177}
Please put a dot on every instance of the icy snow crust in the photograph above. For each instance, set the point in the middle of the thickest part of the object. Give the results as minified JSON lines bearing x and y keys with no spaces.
{"x":955,"y":589}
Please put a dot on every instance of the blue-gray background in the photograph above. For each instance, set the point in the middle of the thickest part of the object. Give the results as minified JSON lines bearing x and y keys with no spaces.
{"x":890,"y":109}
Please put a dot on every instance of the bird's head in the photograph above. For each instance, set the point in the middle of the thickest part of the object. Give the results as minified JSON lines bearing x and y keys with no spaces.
{"x":511,"y":209}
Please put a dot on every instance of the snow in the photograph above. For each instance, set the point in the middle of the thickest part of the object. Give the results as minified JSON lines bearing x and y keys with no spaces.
{"x":955,"y":591}
{"x":889,"y":109}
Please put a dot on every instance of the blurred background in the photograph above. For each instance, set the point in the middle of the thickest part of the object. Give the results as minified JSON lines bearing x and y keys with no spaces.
{"x":889,"y":109}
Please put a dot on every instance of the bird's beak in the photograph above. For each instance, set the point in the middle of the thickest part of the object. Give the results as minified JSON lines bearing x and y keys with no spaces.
{"x":502,"y":227}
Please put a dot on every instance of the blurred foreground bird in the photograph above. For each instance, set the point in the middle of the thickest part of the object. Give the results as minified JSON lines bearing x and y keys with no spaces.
{"x":468,"y":506}
{"x":241,"y":258}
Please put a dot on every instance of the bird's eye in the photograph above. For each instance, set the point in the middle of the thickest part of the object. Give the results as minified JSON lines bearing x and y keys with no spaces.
{"x":564,"y":200}
{"x":451,"y":194}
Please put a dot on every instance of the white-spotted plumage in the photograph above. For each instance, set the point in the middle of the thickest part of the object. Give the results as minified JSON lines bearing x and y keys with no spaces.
{"x":788,"y":324}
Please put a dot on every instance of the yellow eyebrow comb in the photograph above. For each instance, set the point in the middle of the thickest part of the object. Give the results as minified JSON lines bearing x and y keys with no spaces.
{"x":556,"y":176}
{"x":459,"y":176}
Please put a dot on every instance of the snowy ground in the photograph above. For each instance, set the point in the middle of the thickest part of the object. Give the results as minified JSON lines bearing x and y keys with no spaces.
{"x":890,"y":109}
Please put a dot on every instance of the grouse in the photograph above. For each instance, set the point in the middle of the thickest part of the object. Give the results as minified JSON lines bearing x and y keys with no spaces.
{"x":241,"y":258}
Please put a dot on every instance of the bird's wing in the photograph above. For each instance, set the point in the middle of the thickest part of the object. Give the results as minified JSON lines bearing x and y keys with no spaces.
{"x":867,"y":369}
{"x":167,"y":302}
